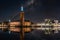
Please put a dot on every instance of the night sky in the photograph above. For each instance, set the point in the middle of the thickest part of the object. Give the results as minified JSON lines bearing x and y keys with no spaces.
{"x":35,"y":10}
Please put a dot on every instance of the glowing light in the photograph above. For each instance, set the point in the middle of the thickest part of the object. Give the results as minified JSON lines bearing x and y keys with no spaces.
{"x":9,"y":20}
{"x":47,"y":24}
{"x":38,"y":24}
{"x":22,"y":8}
{"x":43,"y":24}
{"x":9,"y":32}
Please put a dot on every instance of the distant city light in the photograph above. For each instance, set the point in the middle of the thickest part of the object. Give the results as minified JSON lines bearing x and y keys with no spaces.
{"x":38,"y":24}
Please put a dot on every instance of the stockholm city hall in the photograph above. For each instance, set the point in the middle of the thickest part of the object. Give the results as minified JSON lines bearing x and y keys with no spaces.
{"x":20,"y":26}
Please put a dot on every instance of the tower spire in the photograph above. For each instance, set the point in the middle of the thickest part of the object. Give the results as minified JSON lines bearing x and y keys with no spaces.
{"x":22,"y":23}
{"x":22,"y":8}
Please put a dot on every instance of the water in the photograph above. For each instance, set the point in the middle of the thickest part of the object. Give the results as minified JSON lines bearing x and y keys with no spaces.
{"x":34,"y":35}
{"x":9,"y":36}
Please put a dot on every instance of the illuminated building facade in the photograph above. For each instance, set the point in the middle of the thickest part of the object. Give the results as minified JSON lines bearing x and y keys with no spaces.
{"x":16,"y":24}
